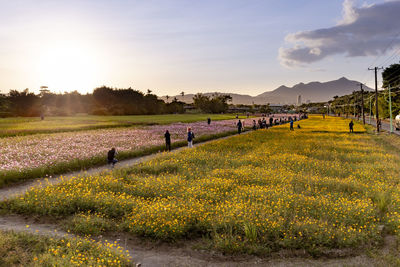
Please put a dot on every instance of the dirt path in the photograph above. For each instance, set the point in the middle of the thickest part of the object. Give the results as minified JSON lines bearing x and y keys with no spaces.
{"x":19,"y":189}
{"x":157,"y":254}
{"x":149,"y":253}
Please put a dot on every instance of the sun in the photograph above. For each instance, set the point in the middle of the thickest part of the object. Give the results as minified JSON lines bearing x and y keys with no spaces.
{"x":68,"y":66}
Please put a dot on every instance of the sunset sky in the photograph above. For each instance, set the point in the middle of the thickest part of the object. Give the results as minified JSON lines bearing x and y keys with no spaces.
{"x":169,"y":46}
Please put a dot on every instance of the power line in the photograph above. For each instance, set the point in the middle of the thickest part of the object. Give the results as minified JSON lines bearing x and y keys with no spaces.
{"x":385,"y":50}
{"x":395,"y":53}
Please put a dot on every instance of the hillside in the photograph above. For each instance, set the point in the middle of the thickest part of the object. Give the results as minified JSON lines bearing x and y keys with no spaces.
{"x":313,"y":92}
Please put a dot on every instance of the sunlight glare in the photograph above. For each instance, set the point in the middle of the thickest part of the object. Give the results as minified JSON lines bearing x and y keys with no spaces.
{"x":68,"y":66}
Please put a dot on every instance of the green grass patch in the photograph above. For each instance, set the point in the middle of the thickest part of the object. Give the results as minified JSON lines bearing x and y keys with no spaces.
{"x":22,"y":249}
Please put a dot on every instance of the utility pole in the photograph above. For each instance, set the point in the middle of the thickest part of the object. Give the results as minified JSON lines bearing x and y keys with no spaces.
{"x":390,"y":110}
{"x":376,"y":97}
{"x":362,"y":102}
{"x":370,"y":109}
{"x":354,"y":106}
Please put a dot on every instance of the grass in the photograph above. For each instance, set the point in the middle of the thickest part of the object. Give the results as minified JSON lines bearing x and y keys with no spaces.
{"x":8,"y":178}
{"x":27,"y":126}
{"x":315,"y":188}
{"x":22,"y":249}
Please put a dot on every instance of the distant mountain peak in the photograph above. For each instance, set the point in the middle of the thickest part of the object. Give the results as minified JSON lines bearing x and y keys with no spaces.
{"x":313,"y":91}
{"x":282,"y":87}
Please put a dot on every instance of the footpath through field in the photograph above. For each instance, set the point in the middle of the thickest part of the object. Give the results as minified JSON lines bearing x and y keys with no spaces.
{"x":181,"y":254}
{"x":22,"y":187}
{"x":19,"y":189}
{"x":147,"y":255}
{"x":159,"y":254}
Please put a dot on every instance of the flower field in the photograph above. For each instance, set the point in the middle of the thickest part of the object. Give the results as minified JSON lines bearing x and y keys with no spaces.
{"x":49,"y":153}
{"x":20,"y":249}
{"x":26,"y":126}
{"x":314,"y":188}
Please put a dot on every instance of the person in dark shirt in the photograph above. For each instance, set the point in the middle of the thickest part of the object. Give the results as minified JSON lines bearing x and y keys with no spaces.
{"x":264,"y":124}
{"x":111,"y":157}
{"x":239,"y":126}
{"x":254,"y":125}
{"x":209,"y":121}
{"x":351,"y":124}
{"x":167,"y":140}
{"x":190,"y":137}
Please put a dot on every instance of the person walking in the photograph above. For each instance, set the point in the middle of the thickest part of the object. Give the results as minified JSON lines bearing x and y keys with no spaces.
{"x":351,"y":124}
{"x":111,"y":157}
{"x":190,"y":137}
{"x":208,"y":121}
{"x":167,"y":136}
{"x":291,"y":125}
{"x":264,"y":124}
{"x":239,"y":126}
{"x":271,"y":121}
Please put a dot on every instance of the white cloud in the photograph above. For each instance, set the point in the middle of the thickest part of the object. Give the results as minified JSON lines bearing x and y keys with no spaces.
{"x":363,"y":31}
{"x":349,"y":13}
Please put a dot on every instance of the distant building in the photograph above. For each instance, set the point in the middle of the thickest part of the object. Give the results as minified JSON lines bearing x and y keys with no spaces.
{"x":299,"y":100}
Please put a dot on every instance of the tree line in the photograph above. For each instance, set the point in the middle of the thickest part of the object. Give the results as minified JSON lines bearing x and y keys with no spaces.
{"x":103,"y":101}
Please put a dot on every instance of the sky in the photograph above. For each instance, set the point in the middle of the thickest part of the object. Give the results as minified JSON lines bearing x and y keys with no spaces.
{"x":170,"y":46}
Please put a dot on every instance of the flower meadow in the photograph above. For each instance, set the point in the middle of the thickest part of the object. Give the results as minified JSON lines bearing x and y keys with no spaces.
{"x":22,"y":249}
{"x":41,"y":154}
{"x":315,"y":188}
{"x":17,"y":126}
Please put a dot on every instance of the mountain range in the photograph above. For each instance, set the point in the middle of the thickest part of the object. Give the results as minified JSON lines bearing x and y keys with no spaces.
{"x":310,"y":92}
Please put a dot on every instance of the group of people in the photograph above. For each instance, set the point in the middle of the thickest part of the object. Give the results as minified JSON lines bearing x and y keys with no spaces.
{"x":190,"y":136}
{"x":262,"y":124}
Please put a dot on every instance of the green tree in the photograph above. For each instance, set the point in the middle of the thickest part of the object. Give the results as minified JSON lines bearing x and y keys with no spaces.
{"x":216,"y":104}
{"x":24,"y":103}
{"x":391,"y":76}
